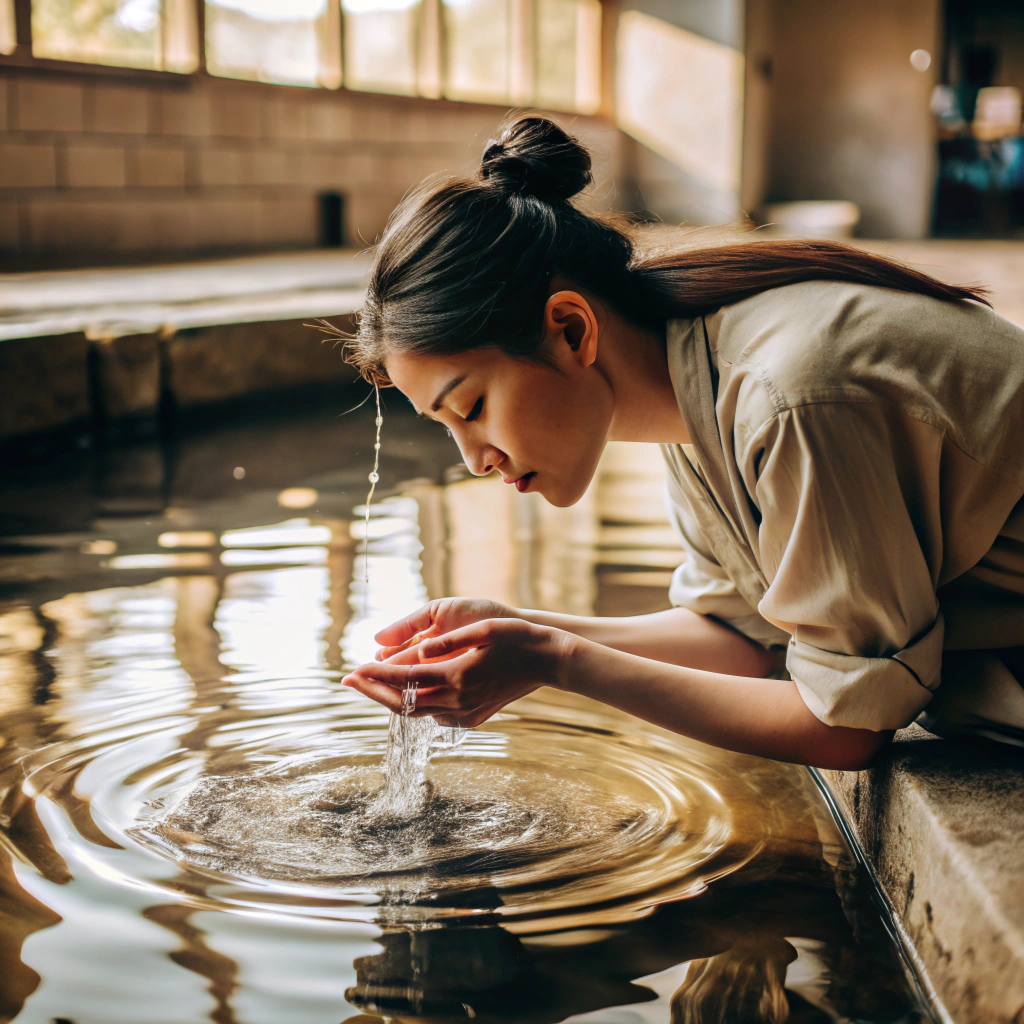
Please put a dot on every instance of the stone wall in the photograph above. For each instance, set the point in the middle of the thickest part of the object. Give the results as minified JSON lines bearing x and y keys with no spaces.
{"x":112,"y":168}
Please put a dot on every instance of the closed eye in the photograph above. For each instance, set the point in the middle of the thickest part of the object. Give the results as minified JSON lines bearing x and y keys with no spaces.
{"x":476,"y":410}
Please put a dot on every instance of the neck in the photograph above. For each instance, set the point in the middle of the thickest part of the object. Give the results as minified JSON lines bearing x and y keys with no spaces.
{"x":634,"y":361}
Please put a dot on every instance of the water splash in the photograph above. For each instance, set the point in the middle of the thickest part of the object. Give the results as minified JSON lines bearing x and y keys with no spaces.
{"x":411,"y":742}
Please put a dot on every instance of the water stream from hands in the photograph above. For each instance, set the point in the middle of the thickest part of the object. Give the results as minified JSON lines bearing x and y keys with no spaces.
{"x":411,"y":741}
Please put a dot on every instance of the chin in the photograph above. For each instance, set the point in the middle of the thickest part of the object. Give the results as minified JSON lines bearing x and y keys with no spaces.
{"x":563,"y":497}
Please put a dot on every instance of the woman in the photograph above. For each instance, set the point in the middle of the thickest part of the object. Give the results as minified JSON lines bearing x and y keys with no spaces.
{"x":845,"y":447}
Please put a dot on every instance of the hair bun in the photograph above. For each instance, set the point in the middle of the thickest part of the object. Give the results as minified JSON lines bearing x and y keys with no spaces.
{"x":533,"y":156}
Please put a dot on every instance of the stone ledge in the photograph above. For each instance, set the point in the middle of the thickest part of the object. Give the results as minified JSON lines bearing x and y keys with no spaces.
{"x":104,"y":348}
{"x":126,"y":377}
{"x":46,"y":384}
{"x":215,"y":364}
{"x":942,"y":824}
{"x":107,"y":303}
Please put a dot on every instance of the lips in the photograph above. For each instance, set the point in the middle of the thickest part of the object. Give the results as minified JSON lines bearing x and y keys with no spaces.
{"x":523,"y":483}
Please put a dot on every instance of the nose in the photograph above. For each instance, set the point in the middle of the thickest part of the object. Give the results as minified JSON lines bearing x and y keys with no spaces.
{"x":480,"y":459}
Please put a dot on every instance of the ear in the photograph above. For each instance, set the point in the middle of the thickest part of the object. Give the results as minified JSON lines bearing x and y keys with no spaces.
{"x":569,"y":321}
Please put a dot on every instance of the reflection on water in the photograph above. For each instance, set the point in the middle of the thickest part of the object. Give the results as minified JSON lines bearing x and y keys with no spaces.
{"x":193,"y":811}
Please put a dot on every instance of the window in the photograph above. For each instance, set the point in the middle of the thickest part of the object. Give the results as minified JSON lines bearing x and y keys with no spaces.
{"x":542,"y":52}
{"x":567,"y":48}
{"x":8,"y":28}
{"x":510,"y":52}
{"x":156,"y":34}
{"x":478,"y":36}
{"x":381,"y":44}
{"x":296,"y":42}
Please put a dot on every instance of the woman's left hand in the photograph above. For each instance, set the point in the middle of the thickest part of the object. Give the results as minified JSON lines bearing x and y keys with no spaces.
{"x":465,"y":676}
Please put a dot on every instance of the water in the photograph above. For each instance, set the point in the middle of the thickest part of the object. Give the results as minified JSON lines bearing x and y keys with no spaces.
{"x":406,"y":791}
{"x":198,"y":823}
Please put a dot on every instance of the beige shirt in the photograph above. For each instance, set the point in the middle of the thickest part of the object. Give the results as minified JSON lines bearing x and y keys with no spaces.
{"x":857,"y":471}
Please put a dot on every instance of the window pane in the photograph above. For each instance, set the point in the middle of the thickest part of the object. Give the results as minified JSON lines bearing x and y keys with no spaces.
{"x":124,"y":33}
{"x":556,"y":54}
{"x":8,"y":33}
{"x":381,"y":38}
{"x":568,"y":53}
{"x":289,"y":42}
{"x":477,"y":35}
{"x":156,"y":34}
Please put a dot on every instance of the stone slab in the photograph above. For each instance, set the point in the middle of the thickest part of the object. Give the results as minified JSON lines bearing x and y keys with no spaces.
{"x":942,"y":823}
{"x":126,"y":380}
{"x":44,"y":383}
{"x":106,"y":303}
{"x":215,"y":364}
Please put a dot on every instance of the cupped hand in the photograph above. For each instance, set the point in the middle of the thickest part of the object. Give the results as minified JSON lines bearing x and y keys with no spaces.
{"x":468,"y":674}
{"x":436,"y":618}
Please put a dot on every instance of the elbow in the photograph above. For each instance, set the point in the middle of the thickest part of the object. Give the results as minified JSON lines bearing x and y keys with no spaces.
{"x":853,"y":750}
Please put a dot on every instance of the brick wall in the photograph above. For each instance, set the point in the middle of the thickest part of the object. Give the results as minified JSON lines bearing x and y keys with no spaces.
{"x":95,"y":168}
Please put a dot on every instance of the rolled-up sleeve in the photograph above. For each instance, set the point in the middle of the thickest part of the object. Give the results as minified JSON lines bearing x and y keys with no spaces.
{"x":849,"y":536}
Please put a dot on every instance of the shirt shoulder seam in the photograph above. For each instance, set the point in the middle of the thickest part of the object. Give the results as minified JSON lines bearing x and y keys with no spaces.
{"x":919,"y":415}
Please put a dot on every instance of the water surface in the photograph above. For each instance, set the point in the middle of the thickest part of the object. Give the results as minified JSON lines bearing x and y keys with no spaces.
{"x":191,"y":805}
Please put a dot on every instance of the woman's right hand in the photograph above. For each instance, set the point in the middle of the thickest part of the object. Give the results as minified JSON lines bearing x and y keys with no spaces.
{"x":436,"y":618}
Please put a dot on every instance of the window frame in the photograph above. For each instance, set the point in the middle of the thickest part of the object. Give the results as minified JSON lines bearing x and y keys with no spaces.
{"x":22,"y":57}
{"x":432,"y":54}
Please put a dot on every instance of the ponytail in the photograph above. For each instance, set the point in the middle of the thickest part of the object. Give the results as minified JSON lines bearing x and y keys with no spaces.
{"x":467,"y":262}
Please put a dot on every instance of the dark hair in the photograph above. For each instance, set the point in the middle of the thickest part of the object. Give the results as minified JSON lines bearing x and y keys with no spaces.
{"x":468,"y":262}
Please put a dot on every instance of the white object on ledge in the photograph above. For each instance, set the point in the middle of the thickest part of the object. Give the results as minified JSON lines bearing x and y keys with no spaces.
{"x":819,"y":218}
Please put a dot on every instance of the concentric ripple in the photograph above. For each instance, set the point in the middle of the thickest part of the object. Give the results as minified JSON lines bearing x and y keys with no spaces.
{"x":554,"y":811}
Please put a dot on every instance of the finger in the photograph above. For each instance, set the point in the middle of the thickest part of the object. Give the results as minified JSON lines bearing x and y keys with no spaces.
{"x":393,"y":699}
{"x":405,"y":629}
{"x":399,"y":676}
{"x":380,"y":692}
{"x":476,"y":634}
{"x":383,"y":653}
{"x":411,"y":656}
{"x":409,"y":644}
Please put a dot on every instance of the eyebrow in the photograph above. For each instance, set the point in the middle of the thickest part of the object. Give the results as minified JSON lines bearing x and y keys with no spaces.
{"x":445,"y":392}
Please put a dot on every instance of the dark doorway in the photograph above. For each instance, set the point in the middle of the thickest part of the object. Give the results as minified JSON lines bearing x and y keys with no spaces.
{"x":978,"y":114}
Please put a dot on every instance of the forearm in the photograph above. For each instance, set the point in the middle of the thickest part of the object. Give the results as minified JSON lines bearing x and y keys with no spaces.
{"x":676,"y":636}
{"x":755,"y":716}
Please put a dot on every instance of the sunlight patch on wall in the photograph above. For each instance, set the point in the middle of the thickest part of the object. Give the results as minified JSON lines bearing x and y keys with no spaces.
{"x":682,"y":96}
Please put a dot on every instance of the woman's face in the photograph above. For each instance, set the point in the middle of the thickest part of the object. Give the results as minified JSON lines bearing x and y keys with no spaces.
{"x":542,"y":427}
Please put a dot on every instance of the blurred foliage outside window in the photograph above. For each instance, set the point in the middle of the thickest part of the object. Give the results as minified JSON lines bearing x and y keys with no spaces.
{"x":287,"y":42}
{"x":158,"y":35}
{"x":521,"y":52}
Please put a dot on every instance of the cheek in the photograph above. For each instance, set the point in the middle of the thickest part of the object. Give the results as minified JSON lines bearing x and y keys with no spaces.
{"x":557,"y":422}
